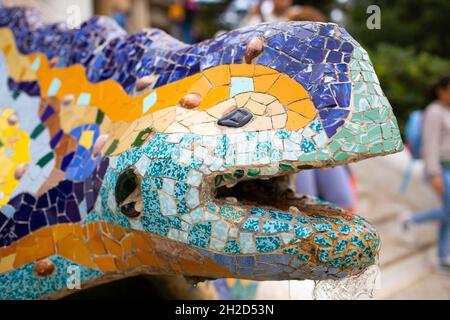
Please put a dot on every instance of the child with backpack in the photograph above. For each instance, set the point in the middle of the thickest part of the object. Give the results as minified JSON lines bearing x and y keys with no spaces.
{"x":435,"y":150}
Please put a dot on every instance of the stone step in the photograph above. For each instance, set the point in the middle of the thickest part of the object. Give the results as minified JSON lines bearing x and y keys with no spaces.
{"x":436,"y":286}
{"x":393,"y":248}
{"x":402,"y":264}
{"x":404,"y":272}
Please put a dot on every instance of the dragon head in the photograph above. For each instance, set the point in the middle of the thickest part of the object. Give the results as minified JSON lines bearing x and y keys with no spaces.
{"x":197,"y":146}
{"x":212,"y":171}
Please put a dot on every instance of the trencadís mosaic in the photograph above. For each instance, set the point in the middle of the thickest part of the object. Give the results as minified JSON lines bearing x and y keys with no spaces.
{"x":127,"y":154}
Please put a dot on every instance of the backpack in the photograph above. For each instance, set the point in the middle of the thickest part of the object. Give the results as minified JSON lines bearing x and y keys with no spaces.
{"x":413,"y":133}
{"x":413,"y":141}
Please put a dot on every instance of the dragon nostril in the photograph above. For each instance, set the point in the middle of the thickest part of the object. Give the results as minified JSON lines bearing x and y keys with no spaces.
{"x":237,"y":118}
{"x":126,"y":184}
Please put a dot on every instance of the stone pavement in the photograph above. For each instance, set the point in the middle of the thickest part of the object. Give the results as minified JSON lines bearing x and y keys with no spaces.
{"x":432,"y":287}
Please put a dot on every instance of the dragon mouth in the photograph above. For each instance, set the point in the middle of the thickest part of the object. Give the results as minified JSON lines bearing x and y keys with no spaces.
{"x":274,"y":193}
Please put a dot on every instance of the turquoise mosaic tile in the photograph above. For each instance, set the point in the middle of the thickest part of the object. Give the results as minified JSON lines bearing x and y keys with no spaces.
{"x":267,"y":244}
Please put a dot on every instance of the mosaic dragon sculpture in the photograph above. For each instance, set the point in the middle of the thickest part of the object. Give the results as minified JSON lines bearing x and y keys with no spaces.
{"x":130,"y":154}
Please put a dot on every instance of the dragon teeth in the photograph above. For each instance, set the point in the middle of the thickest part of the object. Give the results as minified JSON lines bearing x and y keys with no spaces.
{"x":232,"y":200}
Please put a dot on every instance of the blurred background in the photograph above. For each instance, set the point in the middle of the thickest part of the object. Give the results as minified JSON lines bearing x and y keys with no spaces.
{"x":410,"y":50}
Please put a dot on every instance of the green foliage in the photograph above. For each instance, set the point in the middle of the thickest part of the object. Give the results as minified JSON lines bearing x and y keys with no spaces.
{"x":409,"y":52}
{"x":405,"y":76}
{"x":422,"y":25}
{"x":207,"y":19}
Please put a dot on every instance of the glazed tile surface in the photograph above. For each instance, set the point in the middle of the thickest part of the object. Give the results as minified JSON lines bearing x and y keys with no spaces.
{"x":118,"y":152}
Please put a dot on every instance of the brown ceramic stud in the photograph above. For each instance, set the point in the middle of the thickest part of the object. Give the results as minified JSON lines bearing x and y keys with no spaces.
{"x":53,"y":62}
{"x":254,"y":49}
{"x":144,"y":83}
{"x":191,"y":101}
{"x":13,"y":119}
{"x":44,"y":268}
{"x":20,"y":171}
{"x":67,"y":100}
{"x":99,"y":144}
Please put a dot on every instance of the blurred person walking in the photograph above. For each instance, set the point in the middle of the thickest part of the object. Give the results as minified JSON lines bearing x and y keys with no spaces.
{"x":279,"y":13}
{"x":182,"y":13}
{"x":282,"y":10}
{"x":436,"y":155}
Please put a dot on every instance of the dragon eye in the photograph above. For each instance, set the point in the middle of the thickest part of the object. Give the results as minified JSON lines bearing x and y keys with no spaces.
{"x":127,"y":192}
